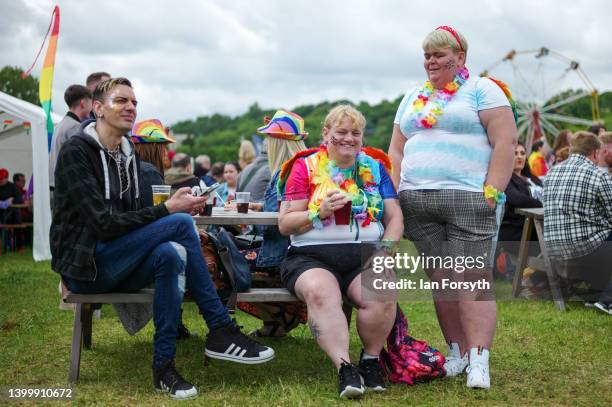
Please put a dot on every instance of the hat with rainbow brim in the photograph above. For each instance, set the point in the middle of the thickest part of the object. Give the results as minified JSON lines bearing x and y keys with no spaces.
{"x":285,"y":125}
{"x":150,"y":131}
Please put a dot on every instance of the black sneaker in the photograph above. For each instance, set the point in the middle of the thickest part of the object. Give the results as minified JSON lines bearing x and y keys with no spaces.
{"x":602,"y":306}
{"x":372,"y":373}
{"x":229,"y":343}
{"x":166,"y":379}
{"x":350,"y":382}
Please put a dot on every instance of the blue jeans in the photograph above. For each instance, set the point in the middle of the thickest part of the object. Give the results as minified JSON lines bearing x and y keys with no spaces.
{"x":164,"y":252}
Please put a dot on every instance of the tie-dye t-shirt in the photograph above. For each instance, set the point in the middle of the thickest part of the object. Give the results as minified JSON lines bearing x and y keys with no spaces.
{"x":455,"y":153}
{"x":298,"y":187}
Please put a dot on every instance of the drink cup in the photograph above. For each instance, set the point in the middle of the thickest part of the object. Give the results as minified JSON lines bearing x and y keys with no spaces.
{"x":208,"y":207}
{"x":342,"y":216}
{"x":242,"y":201}
{"x":161,"y":193}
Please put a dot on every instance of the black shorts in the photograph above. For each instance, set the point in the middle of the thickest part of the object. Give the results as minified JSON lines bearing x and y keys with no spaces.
{"x":343,"y":261}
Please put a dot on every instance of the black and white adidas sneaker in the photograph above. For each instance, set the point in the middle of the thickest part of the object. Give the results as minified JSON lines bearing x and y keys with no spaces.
{"x":229,"y":343}
{"x":167,"y":379}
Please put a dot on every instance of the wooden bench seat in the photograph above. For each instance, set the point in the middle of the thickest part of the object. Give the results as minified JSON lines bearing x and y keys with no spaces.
{"x":82,"y":328}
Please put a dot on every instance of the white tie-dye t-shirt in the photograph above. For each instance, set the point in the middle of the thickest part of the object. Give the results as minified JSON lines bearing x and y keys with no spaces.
{"x":455,"y":153}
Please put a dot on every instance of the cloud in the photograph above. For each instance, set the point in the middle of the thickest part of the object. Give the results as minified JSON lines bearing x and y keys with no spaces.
{"x":200,"y":57}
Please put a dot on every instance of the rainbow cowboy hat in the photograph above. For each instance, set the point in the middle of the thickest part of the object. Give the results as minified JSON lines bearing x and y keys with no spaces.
{"x":150,"y":131}
{"x":284,"y":124}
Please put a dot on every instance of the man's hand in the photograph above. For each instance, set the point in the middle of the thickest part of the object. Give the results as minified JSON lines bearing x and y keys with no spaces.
{"x":184,"y":201}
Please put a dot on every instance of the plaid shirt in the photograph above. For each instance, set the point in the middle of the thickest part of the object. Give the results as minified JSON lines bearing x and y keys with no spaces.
{"x":577,"y":207}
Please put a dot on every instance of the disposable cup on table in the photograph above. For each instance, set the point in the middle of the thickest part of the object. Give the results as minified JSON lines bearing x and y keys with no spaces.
{"x":242,"y":201}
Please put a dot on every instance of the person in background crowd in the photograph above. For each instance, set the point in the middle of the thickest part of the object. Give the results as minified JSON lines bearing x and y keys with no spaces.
{"x":518,"y":195}
{"x":537,"y":163}
{"x":254,"y":178}
{"x":453,"y":141}
{"x":92,"y":81}
{"x":79,"y":101}
{"x":227,"y":190}
{"x":202,"y":167}
{"x":578,"y":218}
{"x":9,"y":195}
{"x":180,"y":174}
{"x":561,"y":155}
{"x":246,"y":153}
{"x":604,"y":157}
{"x":561,"y":141}
{"x":597,"y":129}
{"x":324,"y":261}
{"x":20,"y":180}
{"x":216,"y":171}
{"x":104,"y":240}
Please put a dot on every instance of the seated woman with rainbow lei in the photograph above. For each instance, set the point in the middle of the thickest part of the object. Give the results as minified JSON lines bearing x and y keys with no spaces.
{"x":324,"y":261}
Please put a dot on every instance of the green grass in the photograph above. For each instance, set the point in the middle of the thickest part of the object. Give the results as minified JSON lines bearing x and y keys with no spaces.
{"x":541,"y":356}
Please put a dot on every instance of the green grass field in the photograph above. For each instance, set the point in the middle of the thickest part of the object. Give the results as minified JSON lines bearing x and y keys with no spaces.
{"x":540,"y":357}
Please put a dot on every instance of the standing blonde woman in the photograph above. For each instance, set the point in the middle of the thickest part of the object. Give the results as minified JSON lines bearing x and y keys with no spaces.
{"x":454,"y":139}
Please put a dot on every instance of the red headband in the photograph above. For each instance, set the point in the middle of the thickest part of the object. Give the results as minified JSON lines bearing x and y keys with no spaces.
{"x":453,"y":33}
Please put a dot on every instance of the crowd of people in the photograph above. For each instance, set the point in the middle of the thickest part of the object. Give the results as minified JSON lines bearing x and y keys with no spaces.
{"x":450,"y":182}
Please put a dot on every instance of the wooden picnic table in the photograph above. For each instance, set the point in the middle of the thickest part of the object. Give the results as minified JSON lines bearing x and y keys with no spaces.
{"x":83,"y":327}
{"x":534,"y":217}
{"x":222,"y":217}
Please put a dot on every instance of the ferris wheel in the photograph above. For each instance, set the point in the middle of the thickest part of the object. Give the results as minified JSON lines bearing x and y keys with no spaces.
{"x":541,"y":81}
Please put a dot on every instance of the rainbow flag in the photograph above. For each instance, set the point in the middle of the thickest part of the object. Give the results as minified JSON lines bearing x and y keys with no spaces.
{"x":46,"y":77}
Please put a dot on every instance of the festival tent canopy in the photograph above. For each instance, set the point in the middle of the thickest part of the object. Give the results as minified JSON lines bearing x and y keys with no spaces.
{"x":24,"y":148}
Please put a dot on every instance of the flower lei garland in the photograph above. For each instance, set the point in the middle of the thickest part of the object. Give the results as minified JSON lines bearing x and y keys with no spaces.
{"x":437,"y":99}
{"x":362,"y":190}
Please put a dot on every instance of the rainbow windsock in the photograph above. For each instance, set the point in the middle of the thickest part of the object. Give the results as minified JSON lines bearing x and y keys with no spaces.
{"x":46,"y":77}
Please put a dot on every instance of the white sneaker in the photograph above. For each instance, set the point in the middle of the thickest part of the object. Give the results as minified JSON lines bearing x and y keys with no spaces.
{"x":455,"y":364}
{"x":478,"y":369}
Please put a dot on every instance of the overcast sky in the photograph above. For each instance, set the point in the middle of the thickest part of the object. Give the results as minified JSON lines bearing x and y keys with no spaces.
{"x":189,"y":58}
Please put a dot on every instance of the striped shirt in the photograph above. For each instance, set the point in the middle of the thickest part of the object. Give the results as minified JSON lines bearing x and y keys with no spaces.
{"x":455,"y":153}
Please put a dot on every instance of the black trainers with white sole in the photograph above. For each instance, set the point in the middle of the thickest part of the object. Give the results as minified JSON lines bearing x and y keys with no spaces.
{"x":229,"y":343}
{"x":350,"y":382}
{"x":373,"y":375}
{"x":167,"y":379}
{"x":604,"y":307}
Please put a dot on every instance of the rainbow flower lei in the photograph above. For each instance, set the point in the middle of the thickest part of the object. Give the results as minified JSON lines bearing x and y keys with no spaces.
{"x":360,"y":182}
{"x":436,"y":99}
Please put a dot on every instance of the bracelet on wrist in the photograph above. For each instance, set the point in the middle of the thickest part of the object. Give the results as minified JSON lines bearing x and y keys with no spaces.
{"x":490,"y":192}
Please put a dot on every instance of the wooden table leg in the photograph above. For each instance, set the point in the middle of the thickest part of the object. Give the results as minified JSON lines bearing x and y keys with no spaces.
{"x":523,"y":254}
{"x":553,"y":280}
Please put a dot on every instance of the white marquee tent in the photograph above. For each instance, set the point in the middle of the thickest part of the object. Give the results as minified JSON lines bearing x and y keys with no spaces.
{"x":24,"y":149}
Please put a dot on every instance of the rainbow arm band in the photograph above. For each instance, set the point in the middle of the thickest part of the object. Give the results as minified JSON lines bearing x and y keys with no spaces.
{"x":497,"y":196}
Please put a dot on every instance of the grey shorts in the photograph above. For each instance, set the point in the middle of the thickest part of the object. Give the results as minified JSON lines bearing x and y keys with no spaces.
{"x":448,"y":221}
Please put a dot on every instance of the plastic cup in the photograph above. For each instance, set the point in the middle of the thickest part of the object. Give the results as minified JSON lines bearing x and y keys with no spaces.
{"x":242,"y":201}
{"x":342,"y":216}
{"x":208,"y":207}
{"x":161,"y":193}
